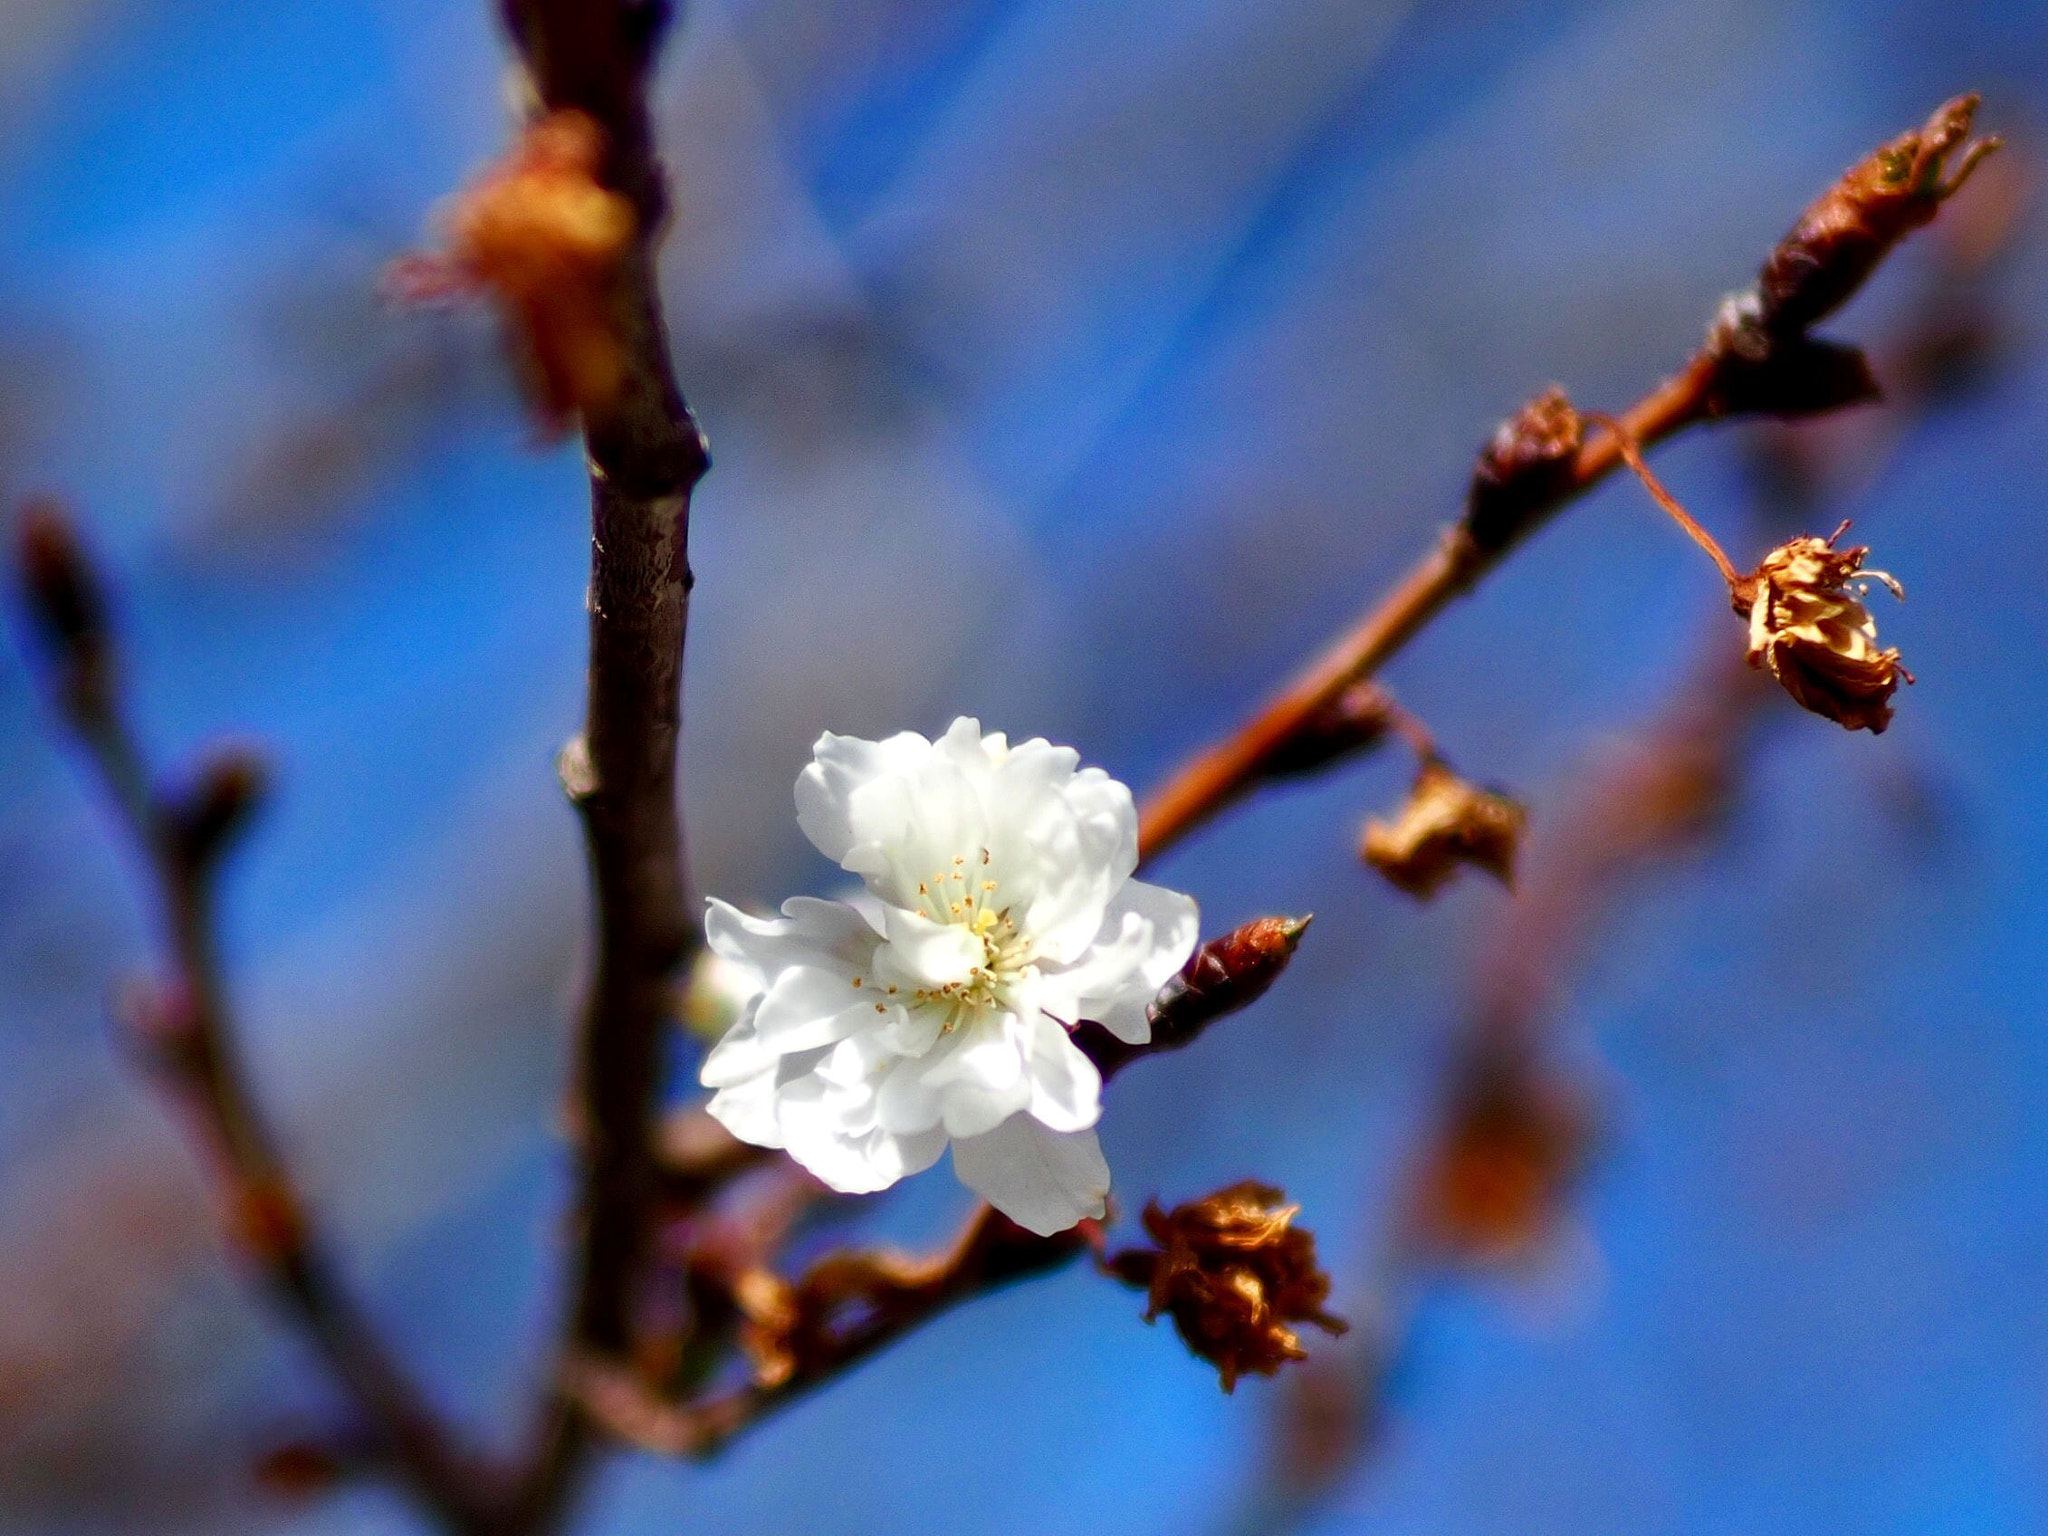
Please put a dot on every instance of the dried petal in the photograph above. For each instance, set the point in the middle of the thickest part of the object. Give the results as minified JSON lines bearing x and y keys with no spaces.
{"x":1234,"y":1272}
{"x":1513,"y":1142}
{"x":1811,"y":629}
{"x":544,"y":237}
{"x":1446,"y":822}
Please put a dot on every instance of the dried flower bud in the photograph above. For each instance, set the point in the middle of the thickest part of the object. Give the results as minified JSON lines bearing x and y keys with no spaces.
{"x":1840,"y":240}
{"x":1524,"y":469}
{"x":1234,"y":1272}
{"x":1514,"y":1139}
{"x":1812,"y":631}
{"x":1446,"y":822}
{"x":770,"y":1324}
{"x":545,"y":238}
{"x":1221,"y":977}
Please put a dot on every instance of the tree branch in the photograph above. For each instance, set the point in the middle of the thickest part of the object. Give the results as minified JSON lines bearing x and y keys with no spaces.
{"x":645,"y":454}
{"x":1757,"y":360}
{"x":184,"y":1028}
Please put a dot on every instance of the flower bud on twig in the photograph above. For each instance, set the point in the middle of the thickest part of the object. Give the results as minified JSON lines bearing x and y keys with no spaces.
{"x":1234,"y":1273}
{"x":1445,"y":823}
{"x":1839,"y":241}
{"x":1526,"y":467}
{"x":202,"y":821}
{"x":67,"y":606}
{"x":1797,"y":376}
{"x":1356,"y":719}
{"x":1224,"y":975}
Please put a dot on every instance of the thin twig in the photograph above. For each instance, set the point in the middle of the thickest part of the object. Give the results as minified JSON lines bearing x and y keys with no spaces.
{"x":1221,"y":773}
{"x":1757,"y":360}
{"x":1632,"y":455}
{"x":185,"y":1027}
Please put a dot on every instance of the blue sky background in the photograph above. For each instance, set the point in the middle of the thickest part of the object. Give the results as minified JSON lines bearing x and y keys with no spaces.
{"x":1079,"y":365}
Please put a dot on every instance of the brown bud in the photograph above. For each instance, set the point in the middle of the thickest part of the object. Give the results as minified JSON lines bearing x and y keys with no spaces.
{"x":1811,"y":629}
{"x":1523,"y":470}
{"x":544,"y":237}
{"x":227,"y":788}
{"x":1446,"y":822}
{"x":1512,"y":1143}
{"x":63,"y":591}
{"x":1840,"y":240}
{"x":1792,"y":377}
{"x":1234,"y":1272}
{"x":1221,"y":977}
{"x":67,"y":605}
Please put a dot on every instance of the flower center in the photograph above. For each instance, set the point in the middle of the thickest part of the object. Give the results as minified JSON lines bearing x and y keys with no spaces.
{"x":967,"y":896}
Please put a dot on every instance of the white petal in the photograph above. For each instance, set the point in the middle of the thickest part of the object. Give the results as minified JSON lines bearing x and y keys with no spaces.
{"x":1043,"y":1180}
{"x":1085,"y":840}
{"x":747,"y":1109}
{"x":1147,"y":934}
{"x":924,"y":953}
{"x":828,"y":1123}
{"x":841,"y":765}
{"x":740,"y":1055}
{"x":1066,"y":1088}
{"x":974,"y":754}
{"x":805,"y":1007}
{"x":810,"y":932}
{"x":979,"y":1075}
{"x":863,"y":1164}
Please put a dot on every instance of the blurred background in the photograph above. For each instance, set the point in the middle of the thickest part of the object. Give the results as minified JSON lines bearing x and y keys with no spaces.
{"x":1078,"y":365}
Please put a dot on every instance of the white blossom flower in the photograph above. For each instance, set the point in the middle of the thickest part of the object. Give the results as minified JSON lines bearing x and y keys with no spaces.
{"x":1000,"y":910}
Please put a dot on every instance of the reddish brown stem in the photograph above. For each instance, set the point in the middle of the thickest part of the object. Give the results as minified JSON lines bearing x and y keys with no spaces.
{"x":1632,"y":455}
{"x":1220,"y":773}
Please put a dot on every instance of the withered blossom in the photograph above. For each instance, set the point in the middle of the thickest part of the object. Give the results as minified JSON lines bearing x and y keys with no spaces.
{"x":1444,"y":823}
{"x":1809,"y":626}
{"x":1234,"y":1273}
{"x":1513,"y":1141}
{"x":543,"y":237}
